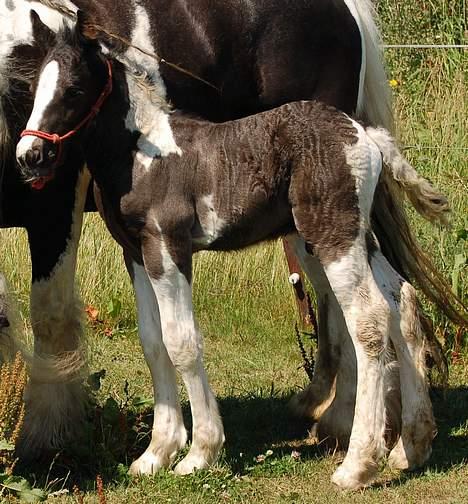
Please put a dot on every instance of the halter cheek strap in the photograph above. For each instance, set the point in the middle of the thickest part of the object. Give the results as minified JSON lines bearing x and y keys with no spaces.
{"x":58,"y":139}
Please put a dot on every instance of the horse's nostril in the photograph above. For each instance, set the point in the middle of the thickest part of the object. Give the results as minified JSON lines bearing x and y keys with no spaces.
{"x":51,"y":154}
{"x":34,"y":157}
{"x":38,"y":159}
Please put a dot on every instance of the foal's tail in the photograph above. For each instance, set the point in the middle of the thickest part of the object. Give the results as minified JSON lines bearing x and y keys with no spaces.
{"x":390,"y":224}
{"x":427,"y":201}
{"x":375,"y":100}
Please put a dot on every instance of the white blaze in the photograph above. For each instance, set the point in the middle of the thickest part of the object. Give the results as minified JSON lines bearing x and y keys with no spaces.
{"x":45,"y":93}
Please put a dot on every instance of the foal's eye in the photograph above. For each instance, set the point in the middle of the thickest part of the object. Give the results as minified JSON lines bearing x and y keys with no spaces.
{"x":73,"y":92}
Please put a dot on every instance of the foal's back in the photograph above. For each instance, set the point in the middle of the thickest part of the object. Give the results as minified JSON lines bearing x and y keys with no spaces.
{"x":239,"y":180}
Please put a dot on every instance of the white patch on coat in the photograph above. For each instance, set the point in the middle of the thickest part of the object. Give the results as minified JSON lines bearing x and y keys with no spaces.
{"x":211,"y":224}
{"x":148,"y":112}
{"x":365,"y":160}
{"x":46,"y":89}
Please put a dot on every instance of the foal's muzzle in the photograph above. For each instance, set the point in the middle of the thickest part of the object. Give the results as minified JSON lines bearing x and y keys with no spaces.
{"x":37,"y":159}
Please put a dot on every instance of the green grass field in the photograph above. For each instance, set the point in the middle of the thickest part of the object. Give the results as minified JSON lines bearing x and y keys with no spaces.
{"x":246,"y":311}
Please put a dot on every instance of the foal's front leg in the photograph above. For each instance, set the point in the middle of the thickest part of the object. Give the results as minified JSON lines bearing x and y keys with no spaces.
{"x":169,"y":434}
{"x":168,"y":263}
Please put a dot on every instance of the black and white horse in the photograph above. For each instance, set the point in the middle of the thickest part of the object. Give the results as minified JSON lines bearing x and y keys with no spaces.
{"x":241,"y":58}
{"x":303,"y":168}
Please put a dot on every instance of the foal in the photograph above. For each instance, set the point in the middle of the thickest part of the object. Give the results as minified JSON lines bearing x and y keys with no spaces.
{"x":302,"y":169}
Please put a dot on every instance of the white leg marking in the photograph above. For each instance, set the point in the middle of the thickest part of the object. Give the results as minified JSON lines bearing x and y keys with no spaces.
{"x":418,"y":425}
{"x":44,"y":95}
{"x":55,"y":397}
{"x":169,"y":434}
{"x":367,"y":316}
{"x":183,"y":342}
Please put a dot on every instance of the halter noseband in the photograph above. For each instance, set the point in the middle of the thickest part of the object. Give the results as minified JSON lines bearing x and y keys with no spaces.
{"x":58,"y":139}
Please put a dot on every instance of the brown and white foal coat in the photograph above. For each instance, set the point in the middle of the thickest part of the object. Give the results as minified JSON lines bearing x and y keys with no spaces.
{"x":303,"y":169}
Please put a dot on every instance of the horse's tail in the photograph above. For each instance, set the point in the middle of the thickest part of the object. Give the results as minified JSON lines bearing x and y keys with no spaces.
{"x":427,"y":201}
{"x":374,"y":101}
{"x":390,"y":224}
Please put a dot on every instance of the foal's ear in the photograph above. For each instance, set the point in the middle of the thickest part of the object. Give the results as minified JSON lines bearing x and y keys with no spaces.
{"x":86,"y":27}
{"x":42,"y":34}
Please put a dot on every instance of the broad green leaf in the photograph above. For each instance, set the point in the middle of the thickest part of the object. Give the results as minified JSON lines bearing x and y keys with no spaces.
{"x":33,"y":495}
{"x":114,"y":307}
{"x":16,"y":483}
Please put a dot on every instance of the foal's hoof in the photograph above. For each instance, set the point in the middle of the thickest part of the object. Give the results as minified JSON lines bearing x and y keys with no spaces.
{"x":190,"y":464}
{"x":397,"y":458}
{"x":311,"y":402}
{"x":410,"y":458}
{"x":345,"y":479}
{"x":148,"y":463}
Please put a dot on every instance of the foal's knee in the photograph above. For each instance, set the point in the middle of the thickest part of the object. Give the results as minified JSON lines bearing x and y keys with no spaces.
{"x":183,"y":345}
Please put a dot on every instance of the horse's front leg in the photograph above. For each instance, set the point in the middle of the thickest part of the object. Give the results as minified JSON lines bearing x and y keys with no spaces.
{"x":169,"y":434}
{"x":55,"y":398}
{"x":168,"y":263}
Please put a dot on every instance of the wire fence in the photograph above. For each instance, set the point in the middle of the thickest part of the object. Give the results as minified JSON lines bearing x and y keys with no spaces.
{"x":424,"y":46}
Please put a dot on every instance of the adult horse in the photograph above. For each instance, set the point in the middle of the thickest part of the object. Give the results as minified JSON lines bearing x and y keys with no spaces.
{"x":304,"y":168}
{"x":254,"y":55}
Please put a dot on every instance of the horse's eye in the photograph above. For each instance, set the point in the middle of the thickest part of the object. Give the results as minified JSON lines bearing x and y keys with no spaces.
{"x":73,"y":92}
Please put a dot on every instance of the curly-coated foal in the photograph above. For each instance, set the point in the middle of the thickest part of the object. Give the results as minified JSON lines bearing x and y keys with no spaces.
{"x":303,"y":168}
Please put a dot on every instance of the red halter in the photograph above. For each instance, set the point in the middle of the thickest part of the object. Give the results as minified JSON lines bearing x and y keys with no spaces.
{"x":58,"y":139}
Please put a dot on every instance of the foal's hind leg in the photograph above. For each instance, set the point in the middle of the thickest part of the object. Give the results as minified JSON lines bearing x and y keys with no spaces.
{"x":418,"y":426}
{"x":55,"y":398}
{"x":169,"y":434}
{"x":329,"y":398}
{"x":368,"y":316}
{"x":164,"y":260}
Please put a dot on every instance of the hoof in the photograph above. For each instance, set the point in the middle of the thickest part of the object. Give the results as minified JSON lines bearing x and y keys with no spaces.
{"x":190,"y":464}
{"x":148,"y":463}
{"x":408,"y":457}
{"x":311,"y":403}
{"x":354,"y":479}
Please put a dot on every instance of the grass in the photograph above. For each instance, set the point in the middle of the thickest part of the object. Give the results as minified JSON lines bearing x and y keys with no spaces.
{"x":246,"y":311}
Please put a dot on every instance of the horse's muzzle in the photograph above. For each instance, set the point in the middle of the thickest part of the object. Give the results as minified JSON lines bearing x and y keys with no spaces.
{"x":37,"y":160}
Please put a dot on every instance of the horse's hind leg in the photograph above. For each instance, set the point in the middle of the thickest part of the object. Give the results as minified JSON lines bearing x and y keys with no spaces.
{"x":169,"y":434}
{"x":329,"y":398}
{"x":168,"y":263}
{"x":55,"y":398}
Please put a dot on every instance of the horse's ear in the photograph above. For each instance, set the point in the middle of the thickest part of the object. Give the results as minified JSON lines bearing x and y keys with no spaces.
{"x":42,"y":34}
{"x":86,"y":28}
